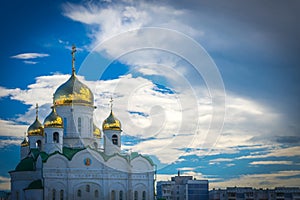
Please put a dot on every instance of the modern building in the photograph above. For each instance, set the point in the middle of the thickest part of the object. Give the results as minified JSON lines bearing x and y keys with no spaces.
{"x":182,"y":188}
{"x":63,"y":157}
{"x":248,"y":193}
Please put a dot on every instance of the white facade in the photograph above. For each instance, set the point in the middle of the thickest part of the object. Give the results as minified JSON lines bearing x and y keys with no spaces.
{"x":70,"y":164}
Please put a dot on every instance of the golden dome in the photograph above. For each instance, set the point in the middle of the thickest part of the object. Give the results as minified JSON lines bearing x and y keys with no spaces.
{"x":53,"y":120}
{"x":73,"y":92}
{"x":111,"y":123}
{"x":25,"y":143}
{"x":36,"y":128}
{"x":96,"y":131}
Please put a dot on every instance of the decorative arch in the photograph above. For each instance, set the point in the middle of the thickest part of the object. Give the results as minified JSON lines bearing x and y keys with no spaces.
{"x":88,"y":190}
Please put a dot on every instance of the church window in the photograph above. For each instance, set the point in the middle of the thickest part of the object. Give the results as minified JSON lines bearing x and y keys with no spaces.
{"x":95,"y":145}
{"x":136,"y":195}
{"x":55,"y":137}
{"x":61,"y":195}
{"x":79,"y":193}
{"x":53,"y":194}
{"x":38,"y":144}
{"x":91,"y":125}
{"x":144,"y":195}
{"x":114,"y":139}
{"x":87,"y":188}
{"x":113,"y":195}
{"x":65,"y":125}
{"x":45,"y":137}
{"x":96,"y":193}
{"x":121,"y":195}
{"x":79,"y":125}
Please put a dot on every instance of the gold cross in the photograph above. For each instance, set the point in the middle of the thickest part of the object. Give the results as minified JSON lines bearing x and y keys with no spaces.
{"x":73,"y":58}
{"x":111,"y":103}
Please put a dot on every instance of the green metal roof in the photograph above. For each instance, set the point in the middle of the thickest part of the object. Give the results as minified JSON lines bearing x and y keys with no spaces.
{"x":37,"y":184}
{"x":27,"y":164}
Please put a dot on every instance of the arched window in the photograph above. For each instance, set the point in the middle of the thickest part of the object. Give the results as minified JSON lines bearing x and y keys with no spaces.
{"x":144,"y":195}
{"x":79,"y":193}
{"x":136,"y":195}
{"x":55,"y":137}
{"x":65,"y":125}
{"x":114,"y":139}
{"x":53,"y":194}
{"x":38,"y":144}
{"x":61,"y":195}
{"x":87,"y":188}
{"x":96,"y":194}
{"x":113,"y":195}
{"x":121,"y":195}
{"x":79,"y":125}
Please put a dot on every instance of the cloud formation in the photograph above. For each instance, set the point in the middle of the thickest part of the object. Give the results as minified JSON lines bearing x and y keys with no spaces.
{"x":26,"y":56}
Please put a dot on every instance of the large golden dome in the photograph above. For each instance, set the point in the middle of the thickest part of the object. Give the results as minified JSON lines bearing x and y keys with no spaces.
{"x":96,"y":131}
{"x":111,"y":123}
{"x":73,"y":92}
{"x":36,"y":129}
{"x":53,"y":120}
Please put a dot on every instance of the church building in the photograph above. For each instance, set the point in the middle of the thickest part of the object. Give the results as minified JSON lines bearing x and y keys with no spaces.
{"x":63,"y":157}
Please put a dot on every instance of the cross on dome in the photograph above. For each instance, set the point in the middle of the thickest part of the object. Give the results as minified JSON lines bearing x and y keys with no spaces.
{"x":73,"y":58}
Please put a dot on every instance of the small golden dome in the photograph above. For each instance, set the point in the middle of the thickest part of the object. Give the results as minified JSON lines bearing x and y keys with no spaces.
{"x":25,"y":143}
{"x":53,"y":120}
{"x":36,"y":128}
{"x":96,"y":131}
{"x":73,"y":92}
{"x":111,"y":123}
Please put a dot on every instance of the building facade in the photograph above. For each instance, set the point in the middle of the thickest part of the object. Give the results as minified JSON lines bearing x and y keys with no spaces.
{"x":248,"y":193}
{"x":62,"y":158}
{"x":182,"y":188}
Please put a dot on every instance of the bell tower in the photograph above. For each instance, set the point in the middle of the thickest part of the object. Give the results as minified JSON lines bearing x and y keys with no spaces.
{"x":112,"y":133}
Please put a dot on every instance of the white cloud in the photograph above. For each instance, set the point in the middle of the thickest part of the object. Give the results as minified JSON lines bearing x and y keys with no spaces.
{"x":277,"y":162}
{"x":10,"y":128}
{"x":4,"y":183}
{"x":168,"y":121}
{"x":277,"y":179}
{"x":29,"y":55}
{"x":276,"y":152}
{"x":30,"y":62}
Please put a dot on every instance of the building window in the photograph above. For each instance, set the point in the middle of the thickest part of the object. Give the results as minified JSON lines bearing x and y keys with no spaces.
{"x":136,"y":195}
{"x":38,"y":144}
{"x":114,"y":139}
{"x":17,"y":195}
{"x":53,"y":194}
{"x":65,"y":125}
{"x":87,"y":188}
{"x":113,"y":195}
{"x":121,"y":195}
{"x":55,"y":137}
{"x":79,"y":125}
{"x":79,"y":193}
{"x":91,"y":125}
{"x":96,"y":193}
{"x":144,"y":195}
{"x":61,"y":195}
{"x":96,"y":145}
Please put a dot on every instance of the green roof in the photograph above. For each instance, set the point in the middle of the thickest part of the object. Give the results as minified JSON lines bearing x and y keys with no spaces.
{"x":37,"y":184}
{"x":70,"y":152}
{"x":27,"y":164}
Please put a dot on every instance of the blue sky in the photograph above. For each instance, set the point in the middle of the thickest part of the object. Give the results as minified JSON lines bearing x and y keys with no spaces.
{"x":165,"y":104}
